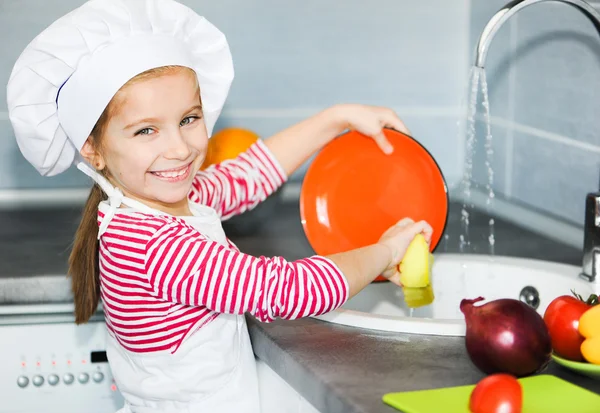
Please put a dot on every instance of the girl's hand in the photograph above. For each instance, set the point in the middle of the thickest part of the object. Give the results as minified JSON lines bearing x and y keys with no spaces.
{"x":370,"y":121}
{"x":397,"y":239}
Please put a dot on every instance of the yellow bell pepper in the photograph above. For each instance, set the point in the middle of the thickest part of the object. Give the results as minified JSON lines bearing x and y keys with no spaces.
{"x":589,"y":327}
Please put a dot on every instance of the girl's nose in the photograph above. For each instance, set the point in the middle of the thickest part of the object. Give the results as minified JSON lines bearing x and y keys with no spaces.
{"x":178,"y":147}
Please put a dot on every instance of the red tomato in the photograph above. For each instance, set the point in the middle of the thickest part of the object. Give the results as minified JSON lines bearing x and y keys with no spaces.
{"x":497,"y":393}
{"x":562,"y":319}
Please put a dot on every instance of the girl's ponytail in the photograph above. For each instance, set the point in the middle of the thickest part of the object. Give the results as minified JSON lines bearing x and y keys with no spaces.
{"x":83,"y":261}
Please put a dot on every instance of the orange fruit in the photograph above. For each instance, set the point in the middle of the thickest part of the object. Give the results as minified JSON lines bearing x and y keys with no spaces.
{"x":227,"y":144}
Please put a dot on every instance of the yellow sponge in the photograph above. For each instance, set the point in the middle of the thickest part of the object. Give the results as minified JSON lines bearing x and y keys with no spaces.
{"x":415,"y":271}
{"x":418,"y":297}
{"x":416,"y":264}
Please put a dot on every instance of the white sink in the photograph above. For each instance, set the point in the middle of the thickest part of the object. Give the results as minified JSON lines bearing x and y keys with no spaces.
{"x":380,"y":306}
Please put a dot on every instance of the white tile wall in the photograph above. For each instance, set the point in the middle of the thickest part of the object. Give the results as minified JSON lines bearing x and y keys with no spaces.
{"x":544,"y":77}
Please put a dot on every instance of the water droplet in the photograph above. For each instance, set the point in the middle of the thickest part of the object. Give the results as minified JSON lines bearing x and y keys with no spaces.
{"x":446,"y":238}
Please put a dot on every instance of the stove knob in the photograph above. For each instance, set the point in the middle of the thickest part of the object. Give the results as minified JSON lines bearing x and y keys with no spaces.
{"x":98,"y":376}
{"x":22,"y":381}
{"x":53,"y":379}
{"x":37,"y":380}
{"x":83,"y":378}
{"x":68,"y":378}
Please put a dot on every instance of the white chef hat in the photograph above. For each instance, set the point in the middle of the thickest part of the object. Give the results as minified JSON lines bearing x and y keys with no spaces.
{"x":67,"y":75}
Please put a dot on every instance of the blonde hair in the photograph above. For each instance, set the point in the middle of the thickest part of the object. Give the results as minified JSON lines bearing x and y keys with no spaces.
{"x":84,"y":258}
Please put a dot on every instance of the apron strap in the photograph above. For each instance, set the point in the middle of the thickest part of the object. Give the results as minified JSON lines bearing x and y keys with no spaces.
{"x":115,"y":197}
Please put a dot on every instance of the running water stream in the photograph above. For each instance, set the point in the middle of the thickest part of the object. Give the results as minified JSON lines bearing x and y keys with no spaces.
{"x":476,"y":78}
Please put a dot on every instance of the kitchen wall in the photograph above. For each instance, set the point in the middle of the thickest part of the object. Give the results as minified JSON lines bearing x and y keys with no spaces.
{"x":292,"y":59}
{"x":543,"y":73}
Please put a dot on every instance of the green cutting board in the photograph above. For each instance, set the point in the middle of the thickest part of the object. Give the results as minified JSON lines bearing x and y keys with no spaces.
{"x":541,"y":394}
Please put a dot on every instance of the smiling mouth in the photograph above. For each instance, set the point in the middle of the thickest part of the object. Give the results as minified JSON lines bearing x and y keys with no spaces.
{"x":173,"y":175}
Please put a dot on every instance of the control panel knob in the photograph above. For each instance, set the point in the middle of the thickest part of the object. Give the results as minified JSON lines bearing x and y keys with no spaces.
{"x":68,"y":378}
{"x":22,"y":381}
{"x":53,"y":379}
{"x":83,"y":378}
{"x":98,"y":376}
{"x":37,"y":380}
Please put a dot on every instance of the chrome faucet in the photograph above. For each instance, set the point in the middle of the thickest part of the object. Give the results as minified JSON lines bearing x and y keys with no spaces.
{"x":514,"y":6}
{"x":591,"y":236}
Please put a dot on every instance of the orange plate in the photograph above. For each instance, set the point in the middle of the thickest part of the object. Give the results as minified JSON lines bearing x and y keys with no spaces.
{"x":353,"y":192}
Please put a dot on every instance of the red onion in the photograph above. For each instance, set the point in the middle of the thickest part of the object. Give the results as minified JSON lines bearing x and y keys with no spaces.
{"x":506,"y":336}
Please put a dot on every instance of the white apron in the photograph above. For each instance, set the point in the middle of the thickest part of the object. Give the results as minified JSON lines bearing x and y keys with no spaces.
{"x":213,"y":371}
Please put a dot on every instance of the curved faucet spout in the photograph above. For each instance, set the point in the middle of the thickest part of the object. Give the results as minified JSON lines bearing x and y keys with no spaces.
{"x":510,"y":9}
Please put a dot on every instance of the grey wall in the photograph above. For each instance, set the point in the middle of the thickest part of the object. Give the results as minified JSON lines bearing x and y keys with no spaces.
{"x":543,"y":71}
{"x":294,"y":58}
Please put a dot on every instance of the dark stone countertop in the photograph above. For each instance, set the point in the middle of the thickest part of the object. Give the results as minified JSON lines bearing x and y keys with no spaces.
{"x":342,"y":369}
{"x":336,"y":368}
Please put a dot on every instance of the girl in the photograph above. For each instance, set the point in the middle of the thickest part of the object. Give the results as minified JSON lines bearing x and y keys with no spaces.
{"x":130,"y":90}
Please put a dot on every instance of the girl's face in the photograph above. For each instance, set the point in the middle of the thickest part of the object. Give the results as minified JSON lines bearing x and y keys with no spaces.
{"x":155,"y":140}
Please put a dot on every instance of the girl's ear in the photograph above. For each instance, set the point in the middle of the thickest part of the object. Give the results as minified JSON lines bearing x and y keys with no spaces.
{"x":92,"y":156}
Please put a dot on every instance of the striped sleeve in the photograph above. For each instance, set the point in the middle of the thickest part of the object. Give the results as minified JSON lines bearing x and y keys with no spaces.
{"x":237,"y":185}
{"x":183,"y":268}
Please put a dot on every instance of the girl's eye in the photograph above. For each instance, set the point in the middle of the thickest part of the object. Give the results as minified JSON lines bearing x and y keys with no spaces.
{"x":145,"y":131}
{"x":188,"y":120}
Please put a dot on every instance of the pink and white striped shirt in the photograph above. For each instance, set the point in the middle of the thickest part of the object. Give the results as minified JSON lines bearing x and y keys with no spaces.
{"x":161,"y":280}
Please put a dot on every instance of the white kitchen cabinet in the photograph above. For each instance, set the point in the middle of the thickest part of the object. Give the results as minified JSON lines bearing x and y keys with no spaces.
{"x":277,"y":396}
